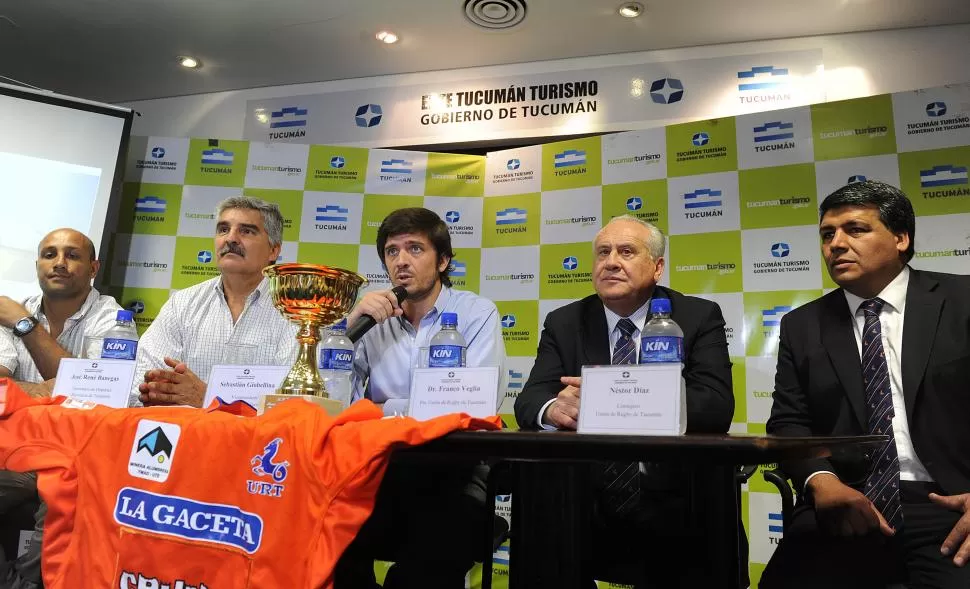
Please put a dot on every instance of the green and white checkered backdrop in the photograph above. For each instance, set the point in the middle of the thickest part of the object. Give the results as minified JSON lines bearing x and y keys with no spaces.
{"x":738,"y":198}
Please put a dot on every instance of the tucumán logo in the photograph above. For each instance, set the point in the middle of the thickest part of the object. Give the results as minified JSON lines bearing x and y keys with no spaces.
{"x":150,"y":209}
{"x":781,"y":261}
{"x":513,"y":173}
{"x":855,"y":178}
{"x":774,"y":136}
{"x":763,"y":84}
{"x":136,"y":306}
{"x":570,"y":263}
{"x":508,"y":321}
{"x":331,"y":218}
{"x":780,"y":250}
{"x":204,"y":256}
{"x":396,"y":170}
{"x":944,"y":181}
{"x":700,"y":139}
{"x":511,"y":220}
{"x":772,"y":317}
{"x":936,"y":109}
{"x":337,"y":162}
{"x":936,"y":120}
{"x":569,"y":162}
{"x":156,"y":161}
{"x":703,"y":202}
{"x":666,"y":91}
{"x":452,"y":218}
{"x":290,"y":122}
{"x":634,"y":203}
{"x":368,"y":115}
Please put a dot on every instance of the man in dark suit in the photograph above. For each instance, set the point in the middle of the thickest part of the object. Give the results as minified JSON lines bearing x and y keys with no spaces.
{"x":888,"y":353}
{"x":628,"y":263}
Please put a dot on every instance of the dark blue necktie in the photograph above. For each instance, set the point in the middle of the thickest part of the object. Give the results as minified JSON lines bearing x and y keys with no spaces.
{"x":882,"y":484}
{"x":621,"y":480}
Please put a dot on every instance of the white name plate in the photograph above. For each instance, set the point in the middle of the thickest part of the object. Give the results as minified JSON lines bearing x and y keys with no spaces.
{"x":439,"y":391}
{"x":243,"y":383}
{"x":636,"y":399}
{"x":102,"y":381}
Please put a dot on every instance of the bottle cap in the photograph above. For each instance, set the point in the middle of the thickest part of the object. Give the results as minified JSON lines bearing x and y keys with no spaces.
{"x":125,"y":315}
{"x":449,"y":318}
{"x":659,"y":306}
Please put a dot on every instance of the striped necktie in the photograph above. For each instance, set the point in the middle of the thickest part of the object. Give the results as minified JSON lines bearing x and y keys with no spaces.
{"x":882,"y":484}
{"x":621,"y":480}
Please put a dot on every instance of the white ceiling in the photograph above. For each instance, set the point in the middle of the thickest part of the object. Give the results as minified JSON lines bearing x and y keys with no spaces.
{"x":119,"y":51}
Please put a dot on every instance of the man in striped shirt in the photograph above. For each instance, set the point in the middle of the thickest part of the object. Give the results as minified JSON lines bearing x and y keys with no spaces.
{"x":229,"y":319}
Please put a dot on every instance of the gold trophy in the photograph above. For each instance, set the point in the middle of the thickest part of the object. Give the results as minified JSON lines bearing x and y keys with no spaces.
{"x":315,"y":297}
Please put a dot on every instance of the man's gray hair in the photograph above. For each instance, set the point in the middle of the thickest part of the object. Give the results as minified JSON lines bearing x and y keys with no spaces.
{"x":656,"y":244}
{"x":272,"y":218}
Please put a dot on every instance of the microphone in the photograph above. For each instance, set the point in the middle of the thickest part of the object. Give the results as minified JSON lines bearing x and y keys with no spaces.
{"x":365,"y":322}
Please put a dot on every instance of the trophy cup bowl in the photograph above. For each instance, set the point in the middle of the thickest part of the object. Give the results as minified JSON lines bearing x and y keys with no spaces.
{"x":314,"y":297}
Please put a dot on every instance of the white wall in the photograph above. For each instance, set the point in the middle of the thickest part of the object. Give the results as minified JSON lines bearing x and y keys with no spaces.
{"x":857,"y":64}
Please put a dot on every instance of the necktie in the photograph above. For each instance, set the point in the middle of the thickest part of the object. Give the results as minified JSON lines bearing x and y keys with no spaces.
{"x":621,"y":482}
{"x":882,"y":483}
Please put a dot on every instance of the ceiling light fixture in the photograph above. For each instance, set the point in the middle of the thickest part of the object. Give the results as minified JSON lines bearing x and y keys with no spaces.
{"x":631,"y":9}
{"x":386,"y":37}
{"x":189,"y":62}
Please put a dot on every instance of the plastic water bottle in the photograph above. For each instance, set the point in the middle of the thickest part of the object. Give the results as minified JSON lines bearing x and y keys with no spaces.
{"x":662,"y":341}
{"x":447,"y":349}
{"x":337,"y":362}
{"x":116,"y":343}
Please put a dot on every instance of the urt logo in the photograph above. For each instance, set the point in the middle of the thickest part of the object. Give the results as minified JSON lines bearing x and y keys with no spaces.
{"x":158,"y":152}
{"x":204,"y":256}
{"x":337,"y":162}
{"x":452,"y":216}
{"x":634,"y":203}
{"x":700,"y":139}
{"x":137,"y":307}
{"x":570,"y":263}
{"x":508,"y":321}
{"x":856,"y":178}
{"x":513,"y":164}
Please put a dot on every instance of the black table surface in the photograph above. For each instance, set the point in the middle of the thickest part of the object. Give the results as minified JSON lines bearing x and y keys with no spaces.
{"x":700,"y":448}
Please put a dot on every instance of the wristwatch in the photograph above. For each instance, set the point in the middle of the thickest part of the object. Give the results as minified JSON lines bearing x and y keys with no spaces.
{"x":24,"y":326}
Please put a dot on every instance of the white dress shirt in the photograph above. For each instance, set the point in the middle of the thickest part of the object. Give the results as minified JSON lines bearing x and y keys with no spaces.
{"x":639,"y":319}
{"x":891,"y":321}
{"x":96,"y":316}
{"x":195,"y":326}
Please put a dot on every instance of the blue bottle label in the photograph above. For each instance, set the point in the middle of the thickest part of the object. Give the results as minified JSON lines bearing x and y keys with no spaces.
{"x":445,"y":357}
{"x":661,"y":348}
{"x":119,"y":349}
{"x":336,"y":359}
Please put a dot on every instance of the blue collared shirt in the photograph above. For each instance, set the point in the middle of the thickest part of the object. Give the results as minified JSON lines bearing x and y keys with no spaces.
{"x":385,"y":358}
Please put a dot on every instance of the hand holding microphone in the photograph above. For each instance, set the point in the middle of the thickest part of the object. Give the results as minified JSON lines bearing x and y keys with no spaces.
{"x":375,"y":307}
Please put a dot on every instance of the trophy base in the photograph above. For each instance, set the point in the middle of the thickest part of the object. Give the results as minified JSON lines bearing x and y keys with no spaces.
{"x":331,"y":406}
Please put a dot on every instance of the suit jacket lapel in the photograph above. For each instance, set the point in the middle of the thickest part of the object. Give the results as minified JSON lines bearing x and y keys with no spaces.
{"x":838,"y":338}
{"x":596,"y":340}
{"x":922,"y":316}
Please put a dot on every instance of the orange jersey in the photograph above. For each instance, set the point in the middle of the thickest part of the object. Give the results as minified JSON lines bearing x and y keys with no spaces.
{"x":179,"y":498}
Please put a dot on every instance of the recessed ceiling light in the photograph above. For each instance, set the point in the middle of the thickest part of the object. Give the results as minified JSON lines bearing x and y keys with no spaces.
{"x":386,"y":37}
{"x":631,"y":9}
{"x":189,"y":62}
